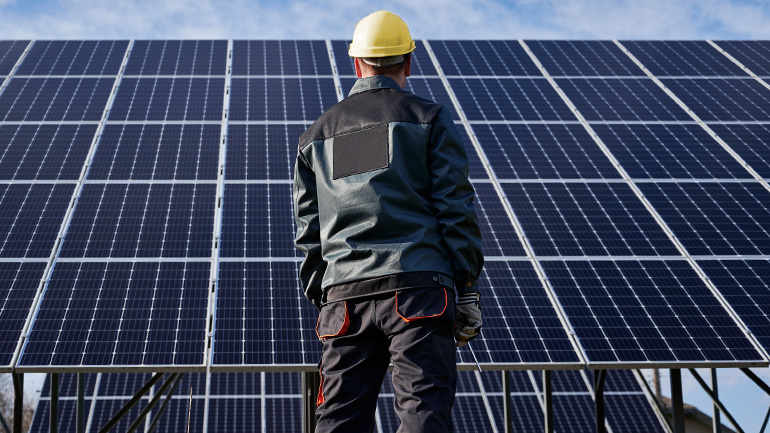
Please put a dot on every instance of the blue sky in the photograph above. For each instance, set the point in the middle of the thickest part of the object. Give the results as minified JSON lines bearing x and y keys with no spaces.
{"x":435,"y":19}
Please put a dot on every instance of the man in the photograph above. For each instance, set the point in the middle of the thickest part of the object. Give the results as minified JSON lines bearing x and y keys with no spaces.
{"x":385,"y":217}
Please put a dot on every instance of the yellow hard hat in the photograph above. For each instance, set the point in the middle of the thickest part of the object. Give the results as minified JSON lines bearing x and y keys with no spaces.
{"x":381,"y":34}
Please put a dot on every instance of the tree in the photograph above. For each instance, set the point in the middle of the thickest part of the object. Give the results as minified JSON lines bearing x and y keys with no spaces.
{"x":6,"y":404}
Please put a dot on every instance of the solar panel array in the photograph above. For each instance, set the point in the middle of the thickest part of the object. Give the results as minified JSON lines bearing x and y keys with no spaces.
{"x":145,"y":210}
{"x":271,"y":402}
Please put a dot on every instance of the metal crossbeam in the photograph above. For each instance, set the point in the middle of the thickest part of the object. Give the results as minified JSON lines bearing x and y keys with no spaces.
{"x":131,"y":403}
{"x":715,"y":400}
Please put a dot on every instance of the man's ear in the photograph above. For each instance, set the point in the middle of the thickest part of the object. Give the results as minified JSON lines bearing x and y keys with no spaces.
{"x":408,"y":66}
{"x":358,"y":67}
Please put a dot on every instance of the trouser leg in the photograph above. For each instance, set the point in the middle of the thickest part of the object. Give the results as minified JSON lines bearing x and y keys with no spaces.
{"x":352,"y":368}
{"x":424,"y":372}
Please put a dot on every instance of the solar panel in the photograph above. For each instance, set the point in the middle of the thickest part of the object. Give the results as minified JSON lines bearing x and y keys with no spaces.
{"x":483,"y":58}
{"x":177,"y":58}
{"x":586,"y":219}
{"x":723,"y":99}
{"x":156,"y":152}
{"x":44,"y":152}
{"x":121,"y":314}
{"x":280,"y":58}
{"x":262,"y":152}
{"x":55,"y":99}
{"x":18,"y":285}
{"x":142,"y":220}
{"x":751,"y":142}
{"x":755,"y":55}
{"x":583,"y":58}
{"x":10,"y":51}
{"x":640,"y":312}
{"x":536,"y":151}
{"x":683,"y":58}
{"x":30,"y":217}
{"x":281,"y":99}
{"x":625,"y":99}
{"x":669,"y":151}
{"x":745,"y":284}
{"x":73,"y":58}
{"x":168,"y":99}
{"x":721,"y":219}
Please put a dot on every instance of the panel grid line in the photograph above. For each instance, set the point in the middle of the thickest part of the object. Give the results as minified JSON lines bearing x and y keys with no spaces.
{"x":679,"y":246}
{"x":737,"y":62}
{"x":68,"y":215}
{"x":15,"y":67}
{"x":566,"y":325}
{"x":217,"y":233}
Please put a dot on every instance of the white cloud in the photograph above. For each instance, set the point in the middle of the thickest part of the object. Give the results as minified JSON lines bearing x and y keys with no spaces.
{"x":446,"y":19}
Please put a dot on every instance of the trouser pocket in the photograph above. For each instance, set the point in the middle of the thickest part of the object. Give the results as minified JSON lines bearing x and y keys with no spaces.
{"x":421,"y":303}
{"x":333,"y":320}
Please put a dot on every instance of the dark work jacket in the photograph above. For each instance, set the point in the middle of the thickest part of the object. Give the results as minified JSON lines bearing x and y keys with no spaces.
{"x":382,"y":197}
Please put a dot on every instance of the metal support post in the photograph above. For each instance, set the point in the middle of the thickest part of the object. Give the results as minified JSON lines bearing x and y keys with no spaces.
{"x":717,"y":422}
{"x":507,"y":406}
{"x":18,"y":402}
{"x":80,"y":409}
{"x":677,"y":403}
{"x":599,"y":377}
{"x":760,"y":383}
{"x":53,"y":424}
{"x":157,"y":416}
{"x":6,"y":429}
{"x":715,"y":400}
{"x":548,"y":401}
{"x":311,"y":380}
{"x":764,"y":423}
{"x":155,"y":399}
{"x":134,"y":400}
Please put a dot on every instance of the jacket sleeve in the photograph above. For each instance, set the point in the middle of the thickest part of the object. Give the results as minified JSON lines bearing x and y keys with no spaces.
{"x":452,"y":195}
{"x":308,"y":237}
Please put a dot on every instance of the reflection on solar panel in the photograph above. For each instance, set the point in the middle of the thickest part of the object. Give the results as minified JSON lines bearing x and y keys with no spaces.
{"x":145,"y":193}
{"x":272,"y":402}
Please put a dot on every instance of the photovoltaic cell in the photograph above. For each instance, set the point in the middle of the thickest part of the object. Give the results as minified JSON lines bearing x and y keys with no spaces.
{"x":237,"y":413}
{"x":177,"y":58}
{"x":122,"y":384}
{"x":10,"y":51}
{"x":723,"y":99}
{"x":238,"y":383}
{"x":635,"y":99}
{"x":584,"y":58}
{"x":484,"y":58}
{"x":54,"y":99}
{"x":745,"y":284}
{"x":121,"y":314}
{"x":175,"y":417}
{"x":666,"y":151}
{"x":534,"y":151}
{"x":715,"y":218}
{"x":18,"y":285}
{"x":630,"y":413}
{"x":281,"y":98}
{"x":751,"y":142}
{"x":105,"y":409}
{"x":169,"y":99}
{"x":476,"y":170}
{"x":586,"y":219}
{"x":142,"y":220}
{"x":683,"y":58}
{"x":67,"y":416}
{"x":74,"y":58}
{"x":44,"y":152}
{"x":262,"y":151}
{"x":509,"y":99}
{"x":280,"y":58}
{"x":520,"y":323}
{"x":30,"y":218}
{"x":257,"y":221}
{"x":157,"y":152}
{"x":645,"y":311}
{"x":755,"y":55}
{"x":421,"y":62}
{"x":262,"y":316}
{"x":498,"y":235}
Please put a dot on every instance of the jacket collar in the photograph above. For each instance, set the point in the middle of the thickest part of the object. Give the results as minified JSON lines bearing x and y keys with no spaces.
{"x":374,"y":82}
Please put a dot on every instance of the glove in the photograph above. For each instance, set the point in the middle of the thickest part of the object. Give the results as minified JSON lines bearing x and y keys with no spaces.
{"x":467,"y":318}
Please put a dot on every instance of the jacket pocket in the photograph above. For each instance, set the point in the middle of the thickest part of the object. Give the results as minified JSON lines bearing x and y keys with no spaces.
{"x":333,"y":320}
{"x":415,"y":304}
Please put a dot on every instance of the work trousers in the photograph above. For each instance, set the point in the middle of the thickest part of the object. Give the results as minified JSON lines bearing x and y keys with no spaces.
{"x":414,"y":330}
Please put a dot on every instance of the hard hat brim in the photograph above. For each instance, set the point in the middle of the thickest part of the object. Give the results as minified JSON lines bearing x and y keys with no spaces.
{"x":358,"y":51}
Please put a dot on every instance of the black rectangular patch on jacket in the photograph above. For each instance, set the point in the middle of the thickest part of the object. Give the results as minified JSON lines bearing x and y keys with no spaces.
{"x":360,"y":151}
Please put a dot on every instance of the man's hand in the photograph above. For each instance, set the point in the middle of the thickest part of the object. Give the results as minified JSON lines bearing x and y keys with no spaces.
{"x":467,"y":318}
